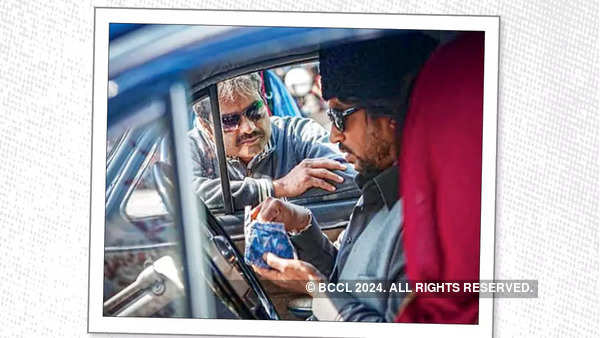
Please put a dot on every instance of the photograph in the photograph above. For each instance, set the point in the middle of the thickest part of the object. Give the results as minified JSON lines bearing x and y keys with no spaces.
{"x":300,"y":169}
{"x":312,"y":174}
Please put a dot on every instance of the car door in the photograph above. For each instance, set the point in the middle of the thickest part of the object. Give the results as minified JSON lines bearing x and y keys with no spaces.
{"x":140,"y":229}
{"x":164,"y":254}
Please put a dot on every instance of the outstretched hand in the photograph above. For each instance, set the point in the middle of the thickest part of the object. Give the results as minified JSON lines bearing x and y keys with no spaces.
{"x":310,"y":173}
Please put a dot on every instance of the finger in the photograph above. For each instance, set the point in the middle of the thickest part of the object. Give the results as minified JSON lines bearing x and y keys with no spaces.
{"x":257,"y":269}
{"x":270,"y":210}
{"x":326,"y":174}
{"x":326,"y":163}
{"x":275,"y":261}
{"x":319,"y":183}
{"x":266,"y":273}
{"x":255,"y":212}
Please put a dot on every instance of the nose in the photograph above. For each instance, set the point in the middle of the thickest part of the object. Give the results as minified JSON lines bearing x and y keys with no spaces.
{"x":335,"y":136}
{"x":246,"y":125}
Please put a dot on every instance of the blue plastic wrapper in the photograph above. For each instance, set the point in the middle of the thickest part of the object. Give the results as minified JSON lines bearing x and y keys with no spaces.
{"x":266,"y":237}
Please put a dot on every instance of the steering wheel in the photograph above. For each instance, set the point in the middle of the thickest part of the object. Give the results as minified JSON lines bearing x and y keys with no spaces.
{"x":231,"y":278}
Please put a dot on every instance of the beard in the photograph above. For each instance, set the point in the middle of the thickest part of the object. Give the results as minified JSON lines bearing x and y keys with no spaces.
{"x":377,"y":155}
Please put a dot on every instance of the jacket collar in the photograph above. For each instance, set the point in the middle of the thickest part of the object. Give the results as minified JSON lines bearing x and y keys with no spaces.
{"x":379,"y":187}
{"x":269,"y":148}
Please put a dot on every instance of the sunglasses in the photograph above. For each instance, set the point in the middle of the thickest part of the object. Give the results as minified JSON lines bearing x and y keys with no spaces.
{"x":338,"y":117}
{"x":231,"y":122}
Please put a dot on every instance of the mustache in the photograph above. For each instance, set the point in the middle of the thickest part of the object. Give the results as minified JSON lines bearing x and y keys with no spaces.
{"x":344,"y":149}
{"x":244,"y":137}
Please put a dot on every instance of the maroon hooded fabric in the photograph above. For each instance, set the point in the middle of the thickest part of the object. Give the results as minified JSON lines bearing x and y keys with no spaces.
{"x":440,"y":179}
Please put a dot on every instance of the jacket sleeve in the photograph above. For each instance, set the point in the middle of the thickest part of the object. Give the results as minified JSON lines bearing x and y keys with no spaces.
{"x":206,"y":182}
{"x":314,"y":247}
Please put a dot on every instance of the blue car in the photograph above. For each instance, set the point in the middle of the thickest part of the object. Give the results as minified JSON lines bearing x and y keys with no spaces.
{"x":166,"y":253}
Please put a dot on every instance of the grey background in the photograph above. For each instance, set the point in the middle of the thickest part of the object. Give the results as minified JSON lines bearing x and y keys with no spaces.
{"x":547,"y":198}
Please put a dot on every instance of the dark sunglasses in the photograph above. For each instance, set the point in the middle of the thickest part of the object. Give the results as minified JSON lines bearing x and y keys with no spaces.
{"x":338,"y":117}
{"x":231,"y":122}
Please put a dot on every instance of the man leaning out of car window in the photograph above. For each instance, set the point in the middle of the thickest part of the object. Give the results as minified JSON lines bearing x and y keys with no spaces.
{"x":367,"y":85}
{"x":267,"y":156}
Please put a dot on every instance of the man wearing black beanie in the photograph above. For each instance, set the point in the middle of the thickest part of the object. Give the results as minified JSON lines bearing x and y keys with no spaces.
{"x":367,"y":85}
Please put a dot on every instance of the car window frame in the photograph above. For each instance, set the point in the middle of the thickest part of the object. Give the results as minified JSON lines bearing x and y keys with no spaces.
{"x":142,"y":170}
{"x":210,"y":92}
{"x":116,"y":145}
{"x":219,"y":142}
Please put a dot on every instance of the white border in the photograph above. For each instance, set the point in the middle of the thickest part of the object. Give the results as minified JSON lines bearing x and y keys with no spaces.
{"x":104,"y":16}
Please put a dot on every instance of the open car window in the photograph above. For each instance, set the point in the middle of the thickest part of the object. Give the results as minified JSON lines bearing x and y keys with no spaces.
{"x":302,"y":83}
{"x":287,"y":92}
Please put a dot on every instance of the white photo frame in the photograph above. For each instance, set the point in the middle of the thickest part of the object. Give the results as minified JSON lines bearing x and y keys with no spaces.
{"x":104,"y":16}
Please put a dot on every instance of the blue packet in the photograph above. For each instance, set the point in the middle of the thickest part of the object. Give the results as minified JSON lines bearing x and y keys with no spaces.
{"x":264,"y":237}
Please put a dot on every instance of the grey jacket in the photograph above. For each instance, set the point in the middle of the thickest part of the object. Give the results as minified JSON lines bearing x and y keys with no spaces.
{"x":292,"y":140}
{"x":371,"y":252}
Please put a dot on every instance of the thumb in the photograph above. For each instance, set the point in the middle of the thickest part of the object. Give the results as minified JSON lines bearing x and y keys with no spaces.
{"x":274,"y":261}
